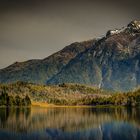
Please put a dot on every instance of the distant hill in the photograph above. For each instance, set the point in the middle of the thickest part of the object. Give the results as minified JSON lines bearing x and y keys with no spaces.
{"x":111,"y":62}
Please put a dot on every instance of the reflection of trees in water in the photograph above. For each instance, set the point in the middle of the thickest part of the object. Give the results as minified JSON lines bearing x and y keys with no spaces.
{"x":4,"y":113}
{"x":13,"y":118}
{"x":65,"y":119}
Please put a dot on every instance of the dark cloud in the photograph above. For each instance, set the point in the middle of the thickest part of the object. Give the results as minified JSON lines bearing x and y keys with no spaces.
{"x":36,"y":28}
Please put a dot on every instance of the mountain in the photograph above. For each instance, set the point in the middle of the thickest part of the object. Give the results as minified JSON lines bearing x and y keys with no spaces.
{"x":111,"y":62}
{"x":39,"y":71}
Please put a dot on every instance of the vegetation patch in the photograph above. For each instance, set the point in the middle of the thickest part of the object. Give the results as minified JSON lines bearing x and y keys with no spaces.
{"x":22,"y":94}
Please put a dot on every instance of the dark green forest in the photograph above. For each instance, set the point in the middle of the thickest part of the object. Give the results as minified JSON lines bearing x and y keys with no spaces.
{"x":130,"y":99}
{"x":11,"y":100}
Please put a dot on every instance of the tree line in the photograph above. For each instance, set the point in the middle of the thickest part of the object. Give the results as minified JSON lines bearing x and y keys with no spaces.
{"x":129,"y":99}
{"x":9,"y":100}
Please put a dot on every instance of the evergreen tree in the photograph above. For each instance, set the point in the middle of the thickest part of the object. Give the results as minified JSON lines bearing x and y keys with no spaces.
{"x":18,"y":101}
{"x":10,"y":101}
{"x":27,"y":100}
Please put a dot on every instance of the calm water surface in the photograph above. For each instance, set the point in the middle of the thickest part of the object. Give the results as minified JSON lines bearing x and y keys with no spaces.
{"x":69,"y":123}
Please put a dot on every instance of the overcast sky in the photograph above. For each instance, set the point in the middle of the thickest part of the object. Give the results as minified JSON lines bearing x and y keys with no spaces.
{"x":32,"y":29}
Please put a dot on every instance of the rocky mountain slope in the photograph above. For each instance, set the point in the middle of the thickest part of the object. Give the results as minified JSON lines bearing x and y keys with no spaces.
{"x":39,"y":71}
{"x":111,"y":62}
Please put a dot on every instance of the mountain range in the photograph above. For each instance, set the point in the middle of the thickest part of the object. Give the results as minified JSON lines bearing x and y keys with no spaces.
{"x":110,"y":62}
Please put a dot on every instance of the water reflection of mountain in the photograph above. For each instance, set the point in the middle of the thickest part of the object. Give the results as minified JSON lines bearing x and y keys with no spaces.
{"x":65,"y":119}
{"x":107,"y":131}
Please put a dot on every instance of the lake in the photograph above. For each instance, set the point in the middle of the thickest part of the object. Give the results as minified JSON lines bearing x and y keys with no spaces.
{"x":69,"y":123}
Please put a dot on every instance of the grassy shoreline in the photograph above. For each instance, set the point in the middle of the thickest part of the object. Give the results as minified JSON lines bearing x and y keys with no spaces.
{"x":38,"y":104}
{"x":46,"y":105}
